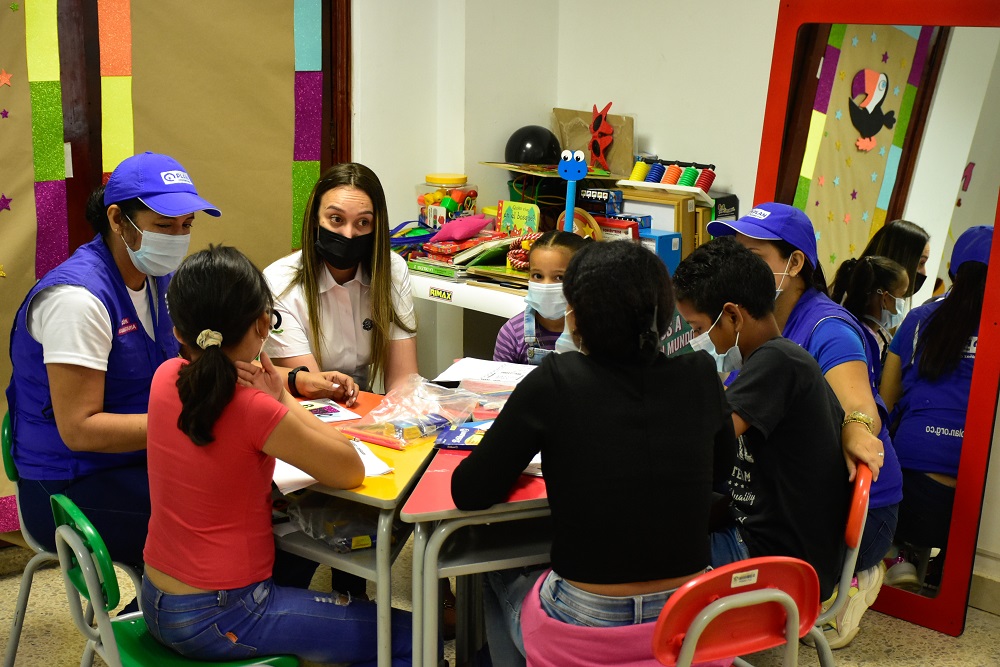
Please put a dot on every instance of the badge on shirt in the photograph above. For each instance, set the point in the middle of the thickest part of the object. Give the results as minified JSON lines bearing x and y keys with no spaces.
{"x":127,"y":326}
{"x":367,"y":324}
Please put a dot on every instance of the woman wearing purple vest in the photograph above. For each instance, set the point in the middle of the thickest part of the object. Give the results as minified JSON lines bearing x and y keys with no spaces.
{"x":85,"y":343}
{"x":926,"y":382}
{"x":783,"y":236}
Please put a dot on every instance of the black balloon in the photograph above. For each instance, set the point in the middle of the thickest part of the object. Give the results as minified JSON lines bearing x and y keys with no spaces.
{"x":533,"y":144}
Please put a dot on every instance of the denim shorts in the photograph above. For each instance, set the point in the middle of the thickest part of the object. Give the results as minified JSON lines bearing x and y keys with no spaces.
{"x":565,"y":602}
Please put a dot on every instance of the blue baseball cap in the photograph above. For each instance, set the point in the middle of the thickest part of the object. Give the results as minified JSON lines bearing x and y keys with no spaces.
{"x":972,"y":246}
{"x":772,"y":221}
{"x":159,"y":182}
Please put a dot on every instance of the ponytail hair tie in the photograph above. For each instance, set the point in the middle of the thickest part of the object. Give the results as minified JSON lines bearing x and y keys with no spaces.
{"x":208,"y":338}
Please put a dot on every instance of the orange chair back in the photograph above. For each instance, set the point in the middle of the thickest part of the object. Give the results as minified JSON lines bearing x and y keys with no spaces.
{"x":741,"y":629}
{"x":859,"y":506}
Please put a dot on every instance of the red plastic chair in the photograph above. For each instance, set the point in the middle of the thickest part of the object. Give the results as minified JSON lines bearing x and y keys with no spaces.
{"x":741,"y":608}
{"x":856,"y":517}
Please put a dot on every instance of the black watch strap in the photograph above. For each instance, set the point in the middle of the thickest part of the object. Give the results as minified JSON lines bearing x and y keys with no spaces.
{"x":291,"y":380}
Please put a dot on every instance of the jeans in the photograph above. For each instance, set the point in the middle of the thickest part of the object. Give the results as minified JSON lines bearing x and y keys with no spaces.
{"x":728,"y":547}
{"x":925,"y":513}
{"x":115,"y":500}
{"x":503,"y":596}
{"x":264,"y":619}
{"x":880,"y":526}
{"x":565,"y":602}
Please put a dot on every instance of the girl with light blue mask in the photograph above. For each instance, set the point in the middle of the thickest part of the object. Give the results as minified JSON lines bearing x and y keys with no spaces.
{"x":874,"y":290}
{"x":541,"y":329}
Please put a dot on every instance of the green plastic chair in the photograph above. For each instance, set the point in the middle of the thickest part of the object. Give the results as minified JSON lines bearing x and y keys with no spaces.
{"x":41,"y":556}
{"x":87,"y":570}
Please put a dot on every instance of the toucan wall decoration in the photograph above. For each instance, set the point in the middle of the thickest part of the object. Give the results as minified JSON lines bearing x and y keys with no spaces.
{"x":869,"y":88}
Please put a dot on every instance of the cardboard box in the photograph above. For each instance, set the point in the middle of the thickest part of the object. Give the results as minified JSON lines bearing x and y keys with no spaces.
{"x":666,"y":245}
{"x":618,"y":230}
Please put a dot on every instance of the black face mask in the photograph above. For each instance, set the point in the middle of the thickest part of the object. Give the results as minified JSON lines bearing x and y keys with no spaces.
{"x":919,"y":282}
{"x":342,"y":252}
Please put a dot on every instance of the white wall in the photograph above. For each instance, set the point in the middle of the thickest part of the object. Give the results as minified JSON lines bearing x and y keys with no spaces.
{"x":439,"y":85}
{"x":694,"y":75}
{"x":948,"y":137}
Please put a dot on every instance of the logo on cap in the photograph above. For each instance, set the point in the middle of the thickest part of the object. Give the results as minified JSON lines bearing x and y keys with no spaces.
{"x":175,"y":177}
{"x":758,"y":213}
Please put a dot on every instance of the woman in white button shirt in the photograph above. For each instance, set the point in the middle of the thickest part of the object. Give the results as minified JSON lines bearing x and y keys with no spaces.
{"x":344,"y":298}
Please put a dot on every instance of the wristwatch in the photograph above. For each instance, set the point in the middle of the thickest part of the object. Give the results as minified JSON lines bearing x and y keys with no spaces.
{"x":292,"y":389}
{"x":861,"y":418}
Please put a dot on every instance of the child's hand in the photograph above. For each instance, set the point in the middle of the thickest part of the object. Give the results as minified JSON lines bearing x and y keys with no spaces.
{"x":265,"y":377}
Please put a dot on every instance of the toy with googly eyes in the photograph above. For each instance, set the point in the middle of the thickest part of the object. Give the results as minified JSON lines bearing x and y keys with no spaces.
{"x":572,"y":168}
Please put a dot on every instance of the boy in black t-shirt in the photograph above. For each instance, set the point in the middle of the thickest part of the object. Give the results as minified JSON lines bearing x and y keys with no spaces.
{"x":788,"y":489}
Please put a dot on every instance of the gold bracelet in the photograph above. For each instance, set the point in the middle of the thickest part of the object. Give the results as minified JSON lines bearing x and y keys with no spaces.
{"x":860,"y":418}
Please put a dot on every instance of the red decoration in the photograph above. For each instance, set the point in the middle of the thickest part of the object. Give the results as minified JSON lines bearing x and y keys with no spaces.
{"x":601,"y":136}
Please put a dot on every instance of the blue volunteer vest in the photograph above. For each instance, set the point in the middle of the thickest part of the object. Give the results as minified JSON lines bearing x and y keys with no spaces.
{"x":813,"y":307}
{"x":38,"y":450}
{"x":929,"y":418}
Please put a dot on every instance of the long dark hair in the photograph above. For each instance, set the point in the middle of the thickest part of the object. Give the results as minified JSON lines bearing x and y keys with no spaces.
{"x":378,"y":266}
{"x":941,"y":343}
{"x":903,"y":242}
{"x":221,"y":290}
{"x":858,"y":279}
{"x":556,"y":238}
{"x":622,"y":299}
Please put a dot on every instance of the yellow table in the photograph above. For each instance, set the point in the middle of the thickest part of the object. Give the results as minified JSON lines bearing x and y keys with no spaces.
{"x":387,"y":493}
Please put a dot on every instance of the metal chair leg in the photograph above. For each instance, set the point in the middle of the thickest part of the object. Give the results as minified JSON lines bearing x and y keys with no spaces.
{"x":36,"y":561}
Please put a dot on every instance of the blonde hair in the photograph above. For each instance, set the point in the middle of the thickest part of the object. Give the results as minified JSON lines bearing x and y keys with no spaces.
{"x":378,"y":266}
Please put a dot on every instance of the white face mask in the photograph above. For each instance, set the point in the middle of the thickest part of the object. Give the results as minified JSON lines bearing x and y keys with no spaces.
{"x":732,"y":360}
{"x":158,"y":254}
{"x":890,"y":320}
{"x":778,"y":290}
{"x":546,"y":299}
{"x":565,"y":342}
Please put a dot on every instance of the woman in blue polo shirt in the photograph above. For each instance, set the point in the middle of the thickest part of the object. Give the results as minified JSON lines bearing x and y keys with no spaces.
{"x":84,"y":346}
{"x":783,"y":236}
{"x":926,"y":383}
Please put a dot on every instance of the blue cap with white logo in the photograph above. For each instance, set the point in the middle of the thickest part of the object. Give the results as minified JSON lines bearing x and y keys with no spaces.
{"x":773,"y":222}
{"x":159,"y":182}
{"x":973,"y":245}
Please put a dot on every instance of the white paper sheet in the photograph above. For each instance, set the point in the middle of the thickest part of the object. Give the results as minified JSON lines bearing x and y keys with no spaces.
{"x":288,"y":478}
{"x":328,"y":410}
{"x":481,"y":369}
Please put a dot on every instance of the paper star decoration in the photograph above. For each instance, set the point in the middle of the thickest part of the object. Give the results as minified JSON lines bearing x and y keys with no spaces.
{"x":821,"y":180}
{"x":836,"y":181}
{"x":874,"y":36}
{"x":902,"y":64}
{"x":853,"y":248}
{"x":864,"y":216}
{"x":817,"y":202}
{"x":829,"y":216}
{"x":5,"y":202}
{"x":841,"y":75}
{"x":881,"y":151}
{"x":895,"y":91}
{"x":837,"y":145}
{"x":847,"y":219}
{"x":833,"y":258}
{"x":13,"y":6}
{"x":838,"y":115}
{"x":4,"y":113}
{"x":4,"y":77}
{"x":854,"y":194}
{"x":849,"y":160}
{"x":885,"y":57}
{"x":874,"y":176}
{"x":817,"y":236}
{"x":854,"y":41}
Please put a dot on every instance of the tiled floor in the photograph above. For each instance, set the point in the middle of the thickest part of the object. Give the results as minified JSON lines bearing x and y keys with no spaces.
{"x":49,"y":638}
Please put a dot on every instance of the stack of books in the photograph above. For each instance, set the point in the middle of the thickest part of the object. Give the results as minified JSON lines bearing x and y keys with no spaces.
{"x":448,"y":259}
